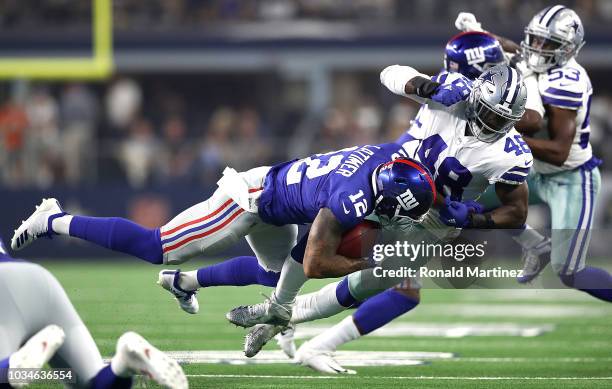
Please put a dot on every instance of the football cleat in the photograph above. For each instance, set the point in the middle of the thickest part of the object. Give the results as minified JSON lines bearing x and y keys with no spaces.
{"x":140,"y":357}
{"x":38,"y":224}
{"x":319,"y":360}
{"x":258,"y":336}
{"x":535,"y":260}
{"x":169,"y":280}
{"x":37,"y":351}
{"x":286,"y":341}
{"x":268,"y":312}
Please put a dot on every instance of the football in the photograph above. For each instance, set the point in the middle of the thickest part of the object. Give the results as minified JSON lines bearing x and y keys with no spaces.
{"x":358,"y":242}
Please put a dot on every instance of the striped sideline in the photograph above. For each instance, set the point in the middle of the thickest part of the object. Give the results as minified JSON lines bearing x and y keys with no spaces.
{"x":433,"y":378}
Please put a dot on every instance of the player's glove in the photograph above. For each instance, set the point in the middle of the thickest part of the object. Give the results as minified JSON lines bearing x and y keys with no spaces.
{"x":474,"y":206}
{"x":466,"y":21}
{"x":449,"y":94}
{"x":518,"y":62}
{"x":446,"y":94}
{"x":457,"y":214}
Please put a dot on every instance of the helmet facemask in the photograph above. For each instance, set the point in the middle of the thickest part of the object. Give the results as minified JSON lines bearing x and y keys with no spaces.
{"x":486,"y":122}
{"x":394,"y":217}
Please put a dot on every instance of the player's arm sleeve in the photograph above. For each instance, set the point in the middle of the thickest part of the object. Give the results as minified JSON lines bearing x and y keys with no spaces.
{"x":534,"y":101}
{"x":395,"y":78}
{"x":563,"y":93}
{"x":514,"y":173}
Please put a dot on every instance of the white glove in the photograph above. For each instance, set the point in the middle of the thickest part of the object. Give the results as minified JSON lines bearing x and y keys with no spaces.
{"x":466,"y":21}
{"x":523,"y":69}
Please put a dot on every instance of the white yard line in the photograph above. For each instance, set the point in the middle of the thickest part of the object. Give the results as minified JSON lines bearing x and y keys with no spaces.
{"x":327,"y":377}
{"x":364,"y":358}
{"x":444,"y":330}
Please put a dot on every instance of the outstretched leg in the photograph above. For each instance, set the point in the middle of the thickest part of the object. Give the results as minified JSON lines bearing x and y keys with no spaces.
{"x":205,"y":228}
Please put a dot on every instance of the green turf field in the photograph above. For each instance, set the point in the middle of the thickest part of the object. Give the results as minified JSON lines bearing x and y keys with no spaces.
{"x":575,"y":350}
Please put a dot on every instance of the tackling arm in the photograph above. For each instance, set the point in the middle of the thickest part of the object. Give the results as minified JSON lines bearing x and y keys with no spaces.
{"x":508,"y":45}
{"x":561,"y":131}
{"x":320,"y":258}
{"x":408,"y":82}
{"x":513,"y":210}
{"x":530,"y":123}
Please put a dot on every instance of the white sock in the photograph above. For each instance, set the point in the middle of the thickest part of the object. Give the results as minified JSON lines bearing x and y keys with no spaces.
{"x":189,"y":280}
{"x":317,"y":305}
{"x":291,"y":280}
{"x":529,"y":238}
{"x":61,"y":225}
{"x":118,"y":366}
{"x":341,"y":333}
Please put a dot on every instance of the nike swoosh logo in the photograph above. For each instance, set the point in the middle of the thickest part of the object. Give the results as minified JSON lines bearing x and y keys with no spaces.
{"x":528,"y":162}
{"x":345,"y":210}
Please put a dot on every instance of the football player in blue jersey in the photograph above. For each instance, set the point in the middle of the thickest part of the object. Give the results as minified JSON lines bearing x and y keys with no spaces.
{"x":566,"y":175}
{"x":39,"y":325}
{"x":333,"y":191}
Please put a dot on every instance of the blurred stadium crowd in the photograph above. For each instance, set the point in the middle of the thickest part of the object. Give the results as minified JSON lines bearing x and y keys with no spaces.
{"x":151,"y":131}
{"x":159,"y":14}
{"x":147,"y":131}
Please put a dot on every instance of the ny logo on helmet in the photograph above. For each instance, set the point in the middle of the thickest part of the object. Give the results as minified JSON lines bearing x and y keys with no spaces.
{"x":475,"y":55}
{"x":407,"y":200}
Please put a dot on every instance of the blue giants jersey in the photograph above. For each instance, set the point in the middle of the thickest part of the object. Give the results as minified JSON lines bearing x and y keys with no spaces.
{"x":342,"y":181}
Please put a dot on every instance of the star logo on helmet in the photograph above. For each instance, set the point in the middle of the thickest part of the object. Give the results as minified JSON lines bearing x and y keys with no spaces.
{"x":575,"y":26}
{"x":488,"y":77}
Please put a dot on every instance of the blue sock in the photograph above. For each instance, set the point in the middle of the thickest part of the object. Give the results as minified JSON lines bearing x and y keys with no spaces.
{"x":343,"y":294}
{"x":298,"y":251}
{"x":237,"y":271}
{"x":379,"y":310}
{"x":592,"y":280}
{"x":120,"y":235}
{"x":4,"y":365}
{"x":106,"y":379}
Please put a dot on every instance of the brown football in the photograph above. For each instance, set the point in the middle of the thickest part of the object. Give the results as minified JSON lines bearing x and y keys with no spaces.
{"x":358,"y":242}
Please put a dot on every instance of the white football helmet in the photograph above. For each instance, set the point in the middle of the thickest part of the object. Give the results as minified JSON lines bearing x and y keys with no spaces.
{"x":552,"y":37}
{"x":496,"y":103}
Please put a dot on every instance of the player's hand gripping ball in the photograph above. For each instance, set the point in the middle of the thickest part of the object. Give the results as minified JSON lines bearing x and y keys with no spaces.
{"x":359,"y":241}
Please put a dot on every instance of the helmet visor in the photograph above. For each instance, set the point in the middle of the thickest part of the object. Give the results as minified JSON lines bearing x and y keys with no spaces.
{"x":541,"y":43}
{"x":540,"y":52}
{"x":489,"y":124}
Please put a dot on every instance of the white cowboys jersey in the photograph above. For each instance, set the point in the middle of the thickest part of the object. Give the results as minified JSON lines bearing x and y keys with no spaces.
{"x":463,"y":166}
{"x":567,"y":87}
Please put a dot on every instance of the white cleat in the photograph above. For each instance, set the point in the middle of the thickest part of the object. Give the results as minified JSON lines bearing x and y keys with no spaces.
{"x":319,"y":360}
{"x":268,"y":312}
{"x":140,"y":357}
{"x":258,"y":336}
{"x":286,"y":341}
{"x":37,"y":225}
{"x":169,"y":280}
{"x":535,"y":259}
{"x":37,"y":351}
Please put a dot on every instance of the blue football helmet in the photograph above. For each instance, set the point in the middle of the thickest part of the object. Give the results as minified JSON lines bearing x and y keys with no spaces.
{"x":471,"y":53}
{"x":405,"y":192}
